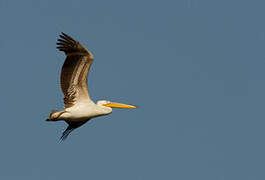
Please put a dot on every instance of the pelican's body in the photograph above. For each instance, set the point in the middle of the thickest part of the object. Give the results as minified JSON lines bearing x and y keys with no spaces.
{"x":79,"y":108}
{"x":84,"y":111}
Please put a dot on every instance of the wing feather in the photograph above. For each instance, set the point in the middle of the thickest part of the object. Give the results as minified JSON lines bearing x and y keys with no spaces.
{"x":75,"y":70}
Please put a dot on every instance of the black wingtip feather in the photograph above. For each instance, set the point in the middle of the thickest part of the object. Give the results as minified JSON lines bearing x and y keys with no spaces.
{"x":72,"y":47}
{"x":67,"y":38}
{"x":66,"y":134}
{"x":67,"y":44}
{"x":72,"y":126}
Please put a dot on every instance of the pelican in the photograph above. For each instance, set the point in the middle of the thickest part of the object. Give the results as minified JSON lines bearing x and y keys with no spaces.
{"x":79,"y":108}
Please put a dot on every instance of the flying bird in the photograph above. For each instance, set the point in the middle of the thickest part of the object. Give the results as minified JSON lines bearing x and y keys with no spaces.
{"x":79,"y":108}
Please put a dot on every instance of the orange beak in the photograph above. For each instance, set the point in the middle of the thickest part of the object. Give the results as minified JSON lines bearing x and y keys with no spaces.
{"x":119,"y":105}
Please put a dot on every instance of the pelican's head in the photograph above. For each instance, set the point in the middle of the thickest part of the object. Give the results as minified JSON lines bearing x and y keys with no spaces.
{"x":109,"y":105}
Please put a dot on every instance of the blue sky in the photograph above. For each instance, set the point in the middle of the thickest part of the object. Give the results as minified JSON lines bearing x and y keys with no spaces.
{"x":196,"y":68}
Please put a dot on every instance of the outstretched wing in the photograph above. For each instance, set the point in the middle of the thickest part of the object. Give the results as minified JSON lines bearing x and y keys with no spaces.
{"x":75,"y":70}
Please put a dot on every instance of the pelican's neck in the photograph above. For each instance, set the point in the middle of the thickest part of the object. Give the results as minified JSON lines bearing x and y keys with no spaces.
{"x":103,"y":109}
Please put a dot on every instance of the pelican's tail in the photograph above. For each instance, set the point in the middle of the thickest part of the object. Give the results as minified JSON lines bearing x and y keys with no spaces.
{"x":54,"y":115}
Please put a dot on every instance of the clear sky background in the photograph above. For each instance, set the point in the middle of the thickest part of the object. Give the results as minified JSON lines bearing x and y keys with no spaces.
{"x":196,"y":68}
